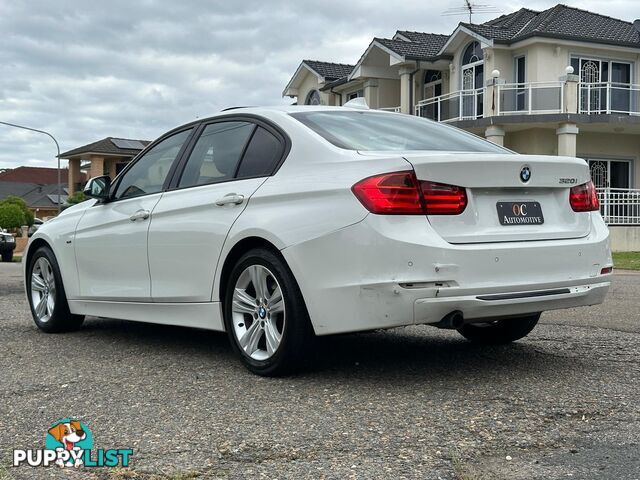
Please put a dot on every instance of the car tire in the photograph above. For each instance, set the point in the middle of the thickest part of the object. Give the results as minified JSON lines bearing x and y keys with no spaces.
{"x":7,"y":256}
{"x":46,"y":295}
{"x":271,"y":337}
{"x":500,"y":331}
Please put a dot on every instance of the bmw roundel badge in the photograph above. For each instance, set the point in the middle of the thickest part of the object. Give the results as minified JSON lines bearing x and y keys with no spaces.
{"x":525,"y":174}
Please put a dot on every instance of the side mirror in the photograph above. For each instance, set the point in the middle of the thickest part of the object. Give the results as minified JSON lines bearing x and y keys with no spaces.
{"x":98,"y":187}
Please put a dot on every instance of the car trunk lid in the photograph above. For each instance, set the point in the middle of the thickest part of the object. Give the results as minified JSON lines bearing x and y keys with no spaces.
{"x":504,"y":192}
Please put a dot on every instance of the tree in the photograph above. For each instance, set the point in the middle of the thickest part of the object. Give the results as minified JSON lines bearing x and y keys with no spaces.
{"x":77,"y":197}
{"x":22,"y":205}
{"x":11,"y":216}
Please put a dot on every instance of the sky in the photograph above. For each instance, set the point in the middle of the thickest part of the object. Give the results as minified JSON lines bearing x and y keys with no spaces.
{"x":137,"y":68}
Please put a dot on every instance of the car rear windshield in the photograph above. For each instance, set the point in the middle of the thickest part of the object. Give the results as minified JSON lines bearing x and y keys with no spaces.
{"x":380,"y":131}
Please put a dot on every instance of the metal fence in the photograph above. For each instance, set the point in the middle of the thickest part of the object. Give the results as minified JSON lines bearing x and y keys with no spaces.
{"x":450,"y":107}
{"x":609,"y":97}
{"x":620,"y":206}
{"x":530,"y":98}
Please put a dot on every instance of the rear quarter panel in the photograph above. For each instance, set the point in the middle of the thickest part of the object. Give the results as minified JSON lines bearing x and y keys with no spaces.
{"x":310,"y":195}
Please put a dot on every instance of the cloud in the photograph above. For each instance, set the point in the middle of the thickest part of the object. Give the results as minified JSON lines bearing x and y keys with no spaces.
{"x":87,"y":70}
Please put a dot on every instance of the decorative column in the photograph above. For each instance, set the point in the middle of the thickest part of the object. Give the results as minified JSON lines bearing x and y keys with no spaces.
{"x":405,"y":89}
{"x":73,"y":175}
{"x":570,"y":94}
{"x":492,"y":95}
{"x":495,"y":134}
{"x":97,"y":166}
{"x":371,"y":93}
{"x":567,"y":134}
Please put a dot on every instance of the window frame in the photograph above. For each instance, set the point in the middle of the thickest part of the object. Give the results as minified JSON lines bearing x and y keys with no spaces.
{"x":118,"y":178}
{"x":257,"y":121}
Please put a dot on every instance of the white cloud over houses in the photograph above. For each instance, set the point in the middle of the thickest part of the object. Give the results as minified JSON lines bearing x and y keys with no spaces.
{"x":87,"y":70}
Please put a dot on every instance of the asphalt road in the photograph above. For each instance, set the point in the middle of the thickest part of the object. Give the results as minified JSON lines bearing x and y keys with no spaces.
{"x":408,"y":403}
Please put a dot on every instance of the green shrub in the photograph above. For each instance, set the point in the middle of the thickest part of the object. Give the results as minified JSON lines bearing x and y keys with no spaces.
{"x":20,"y":203}
{"x":77,"y":197}
{"x":11,"y":216}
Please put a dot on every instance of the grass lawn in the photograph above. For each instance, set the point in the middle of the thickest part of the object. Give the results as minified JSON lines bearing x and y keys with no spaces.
{"x":17,"y":258}
{"x":627,"y":260}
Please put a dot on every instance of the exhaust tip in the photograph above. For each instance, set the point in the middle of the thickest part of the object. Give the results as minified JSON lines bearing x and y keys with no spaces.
{"x":453,"y":320}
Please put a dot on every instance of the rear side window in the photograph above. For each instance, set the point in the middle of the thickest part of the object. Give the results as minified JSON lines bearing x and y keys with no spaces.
{"x":380,"y":131}
{"x":216,"y":154}
{"x":262,"y":155}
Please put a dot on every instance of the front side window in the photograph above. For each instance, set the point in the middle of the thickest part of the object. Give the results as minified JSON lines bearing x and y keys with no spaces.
{"x":377,"y":131}
{"x":217,"y":153}
{"x":148,"y":174}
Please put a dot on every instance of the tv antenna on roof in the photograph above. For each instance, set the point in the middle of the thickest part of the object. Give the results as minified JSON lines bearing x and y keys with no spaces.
{"x":469,"y":8}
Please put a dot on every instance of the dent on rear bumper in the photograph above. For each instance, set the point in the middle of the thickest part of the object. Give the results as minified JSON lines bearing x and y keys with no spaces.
{"x":389,"y":271}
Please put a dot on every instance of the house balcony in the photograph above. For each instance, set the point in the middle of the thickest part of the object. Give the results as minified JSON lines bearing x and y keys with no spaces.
{"x":608,"y":98}
{"x":533,"y":98}
{"x":454,"y":106}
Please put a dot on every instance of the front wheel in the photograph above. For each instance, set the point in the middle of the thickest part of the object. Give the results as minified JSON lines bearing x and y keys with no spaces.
{"x":46,"y":295}
{"x":265,"y":314}
{"x":7,"y":256}
{"x":500,"y":331}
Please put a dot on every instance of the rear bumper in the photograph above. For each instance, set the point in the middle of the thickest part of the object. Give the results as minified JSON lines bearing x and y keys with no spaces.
{"x":389,"y":271}
{"x":479,"y":306}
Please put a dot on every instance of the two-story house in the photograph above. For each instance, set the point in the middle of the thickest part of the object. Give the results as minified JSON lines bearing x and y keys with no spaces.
{"x":562,"y":81}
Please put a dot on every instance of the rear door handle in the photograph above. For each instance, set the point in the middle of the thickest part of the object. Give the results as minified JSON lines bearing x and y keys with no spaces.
{"x":140,"y":215}
{"x":230,"y":199}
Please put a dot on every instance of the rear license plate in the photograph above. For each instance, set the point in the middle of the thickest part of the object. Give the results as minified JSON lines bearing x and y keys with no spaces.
{"x":520,"y":213}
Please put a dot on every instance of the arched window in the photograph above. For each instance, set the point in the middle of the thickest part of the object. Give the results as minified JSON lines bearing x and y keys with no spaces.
{"x":472,"y":54}
{"x":432,"y":76}
{"x":313,"y":98}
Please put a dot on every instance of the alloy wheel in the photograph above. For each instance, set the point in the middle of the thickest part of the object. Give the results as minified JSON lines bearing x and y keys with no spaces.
{"x":258,"y":312}
{"x":43,"y":289}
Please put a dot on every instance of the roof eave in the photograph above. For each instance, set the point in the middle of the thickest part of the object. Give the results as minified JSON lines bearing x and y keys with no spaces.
{"x":290,"y":87}
{"x":463,"y":29}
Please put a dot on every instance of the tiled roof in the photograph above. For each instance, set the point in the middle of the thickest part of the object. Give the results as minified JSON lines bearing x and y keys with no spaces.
{"x":560,"y":22}
{"x":106,"y":145}
{"x":413,"y":50}
{"x":36,"y":196}
{"x":34,"y":175}
{"x":433,"y":41}
{"x":329,"y":71}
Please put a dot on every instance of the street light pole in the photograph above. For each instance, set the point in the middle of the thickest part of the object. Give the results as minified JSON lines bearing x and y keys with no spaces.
{"x":57,"y":147}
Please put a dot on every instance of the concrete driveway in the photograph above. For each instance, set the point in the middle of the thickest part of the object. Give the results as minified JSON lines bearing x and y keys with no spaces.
{"x":407,"y":403}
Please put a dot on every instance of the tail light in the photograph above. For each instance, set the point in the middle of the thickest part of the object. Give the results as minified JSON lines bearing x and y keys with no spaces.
{"x":584,"y":198}
{"x":401,"y":193}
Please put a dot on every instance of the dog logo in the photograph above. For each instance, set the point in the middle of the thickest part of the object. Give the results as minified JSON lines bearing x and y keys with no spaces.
{"x":72,"y":436}
{"x":69,"y":443}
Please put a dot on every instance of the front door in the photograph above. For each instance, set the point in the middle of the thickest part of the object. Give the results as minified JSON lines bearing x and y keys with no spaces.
{"x":190,"y":224}
{"x":111,"y":238}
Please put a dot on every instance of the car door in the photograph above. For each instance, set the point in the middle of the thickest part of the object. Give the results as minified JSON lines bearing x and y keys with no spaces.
{"x":111,"y":237}
{"x":227,"y":164}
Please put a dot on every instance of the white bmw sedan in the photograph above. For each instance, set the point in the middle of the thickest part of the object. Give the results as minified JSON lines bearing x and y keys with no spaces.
{"x":279,"y":224}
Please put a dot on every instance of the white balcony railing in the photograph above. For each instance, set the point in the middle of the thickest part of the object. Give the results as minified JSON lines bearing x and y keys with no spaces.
{"x":609,"y":97}
{"x":391,"y":109}
{"x":450,"y":107}
{"x":620,"y":206}
{"x":530,"y":98}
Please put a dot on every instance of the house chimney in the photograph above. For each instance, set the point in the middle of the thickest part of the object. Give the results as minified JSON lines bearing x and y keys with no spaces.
{"x":636,"y":25}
